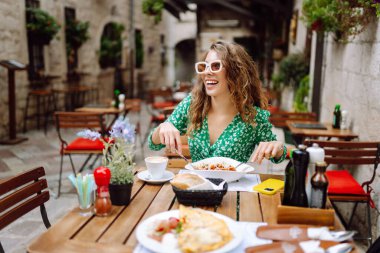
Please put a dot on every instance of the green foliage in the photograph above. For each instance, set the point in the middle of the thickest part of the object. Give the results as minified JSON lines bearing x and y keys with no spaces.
{"x":76,"y":33}
{"x":139,"y":50}
{"x":118,"y":157}
{"x":343,"y":17}
{"x":292,"y":69}
{"x":300,"y":103}
{"x":153,"y":8}
{"x":111,"y":46}
{"x":41,"y":23}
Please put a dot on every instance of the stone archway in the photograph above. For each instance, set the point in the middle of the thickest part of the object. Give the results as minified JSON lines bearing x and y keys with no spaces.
{"x":184,"y":60}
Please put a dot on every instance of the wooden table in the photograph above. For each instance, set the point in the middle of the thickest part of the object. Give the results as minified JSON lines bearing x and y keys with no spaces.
{"x":299,"y":134}
{"x":75,"y":233}
{"x":106,"y":110}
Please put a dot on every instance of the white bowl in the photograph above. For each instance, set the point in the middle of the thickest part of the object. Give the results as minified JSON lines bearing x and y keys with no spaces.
{"x":228,"y":176}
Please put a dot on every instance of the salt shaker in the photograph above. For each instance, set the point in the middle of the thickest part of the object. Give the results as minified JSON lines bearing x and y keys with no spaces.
{"x":344,"y":120}
{"x":317,"y":154}
{"x":121,"y":98}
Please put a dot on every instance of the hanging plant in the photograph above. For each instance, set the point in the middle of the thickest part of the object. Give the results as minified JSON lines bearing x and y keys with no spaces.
{"x":293,"y":68}
{"x":153,"y":8}
{"x":76,"y":33}
{"x":343,"y":17}
{"x":41,"y":26}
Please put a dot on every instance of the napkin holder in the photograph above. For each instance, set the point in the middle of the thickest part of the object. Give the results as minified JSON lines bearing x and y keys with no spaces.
{"x":202,"y":197}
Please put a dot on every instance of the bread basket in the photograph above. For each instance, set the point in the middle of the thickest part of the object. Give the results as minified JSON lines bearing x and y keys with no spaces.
{"x":201,"y":197}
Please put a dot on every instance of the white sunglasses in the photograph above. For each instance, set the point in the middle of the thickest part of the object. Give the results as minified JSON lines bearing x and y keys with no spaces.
{"x":214,"y":66}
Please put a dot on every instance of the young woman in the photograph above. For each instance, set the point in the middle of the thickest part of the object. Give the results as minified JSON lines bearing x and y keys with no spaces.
{"x":225,"y":114}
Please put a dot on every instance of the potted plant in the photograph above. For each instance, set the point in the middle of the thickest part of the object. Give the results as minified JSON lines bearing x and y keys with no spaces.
{"x":153,"y":8}
{"x":118,"y":154}
{"x":41,"y":26}
{"x":345,"y":18}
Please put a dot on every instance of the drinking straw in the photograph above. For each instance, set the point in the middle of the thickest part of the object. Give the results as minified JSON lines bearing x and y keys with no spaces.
{"x":80,"y":187}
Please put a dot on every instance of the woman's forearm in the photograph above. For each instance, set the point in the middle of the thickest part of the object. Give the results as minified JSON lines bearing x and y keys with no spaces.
{"x":156,"y":136}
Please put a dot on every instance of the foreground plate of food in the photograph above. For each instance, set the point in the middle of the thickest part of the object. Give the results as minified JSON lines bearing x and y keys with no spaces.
{"x":189,"y":230}
{"x":220,"y":167}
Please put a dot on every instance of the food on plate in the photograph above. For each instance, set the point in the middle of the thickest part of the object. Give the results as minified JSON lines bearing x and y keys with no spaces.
{"x":161,"y":227}
{"x":201,"y":231}
{"x":185,"y":181}
{"x":196,"y":230}
{"x":215,"y":166}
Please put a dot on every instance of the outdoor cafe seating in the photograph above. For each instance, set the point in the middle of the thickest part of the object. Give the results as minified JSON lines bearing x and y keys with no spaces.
{"x":79,"y":146}
{"x":343,"y":187}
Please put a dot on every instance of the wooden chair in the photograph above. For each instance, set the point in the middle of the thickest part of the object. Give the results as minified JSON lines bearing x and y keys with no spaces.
{"x":79,"y":146}
{"x":21,"y":194}
{"x":342,"y":185}
{"x":278,"y":119}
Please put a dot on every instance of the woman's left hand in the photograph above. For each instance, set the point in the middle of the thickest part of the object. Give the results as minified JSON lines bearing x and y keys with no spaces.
{"x":267,"y":150}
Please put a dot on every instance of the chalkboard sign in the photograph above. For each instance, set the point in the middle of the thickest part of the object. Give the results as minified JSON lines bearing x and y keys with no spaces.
{"x":12,"y":64}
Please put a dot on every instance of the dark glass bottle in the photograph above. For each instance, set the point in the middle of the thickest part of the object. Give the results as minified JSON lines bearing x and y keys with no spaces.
{"x":319,"y":184}
{"x":337,"y":116}
{"x":289,"y":181}
{"x":300,"y":162}
{"x":116,"y":98}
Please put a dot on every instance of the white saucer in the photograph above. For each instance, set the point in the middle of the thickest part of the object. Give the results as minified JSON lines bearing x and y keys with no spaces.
{"x":145,"y":176}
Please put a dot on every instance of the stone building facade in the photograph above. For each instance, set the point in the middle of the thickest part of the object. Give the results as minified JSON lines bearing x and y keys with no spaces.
{"x":13,"y":45}
{"x":351,"y":77}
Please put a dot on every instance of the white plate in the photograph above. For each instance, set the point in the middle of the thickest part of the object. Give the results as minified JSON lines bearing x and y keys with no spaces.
{"x":229,"y":176}
{"x":145,"y":176}
{"x":145,"y":227}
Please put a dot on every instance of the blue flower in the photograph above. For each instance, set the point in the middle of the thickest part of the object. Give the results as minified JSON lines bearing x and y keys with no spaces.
{"x":88,"y":134}
{"x":124,"y":130}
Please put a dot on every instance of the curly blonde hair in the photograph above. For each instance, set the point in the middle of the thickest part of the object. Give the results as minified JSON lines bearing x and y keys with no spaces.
{"x":243,"y":83}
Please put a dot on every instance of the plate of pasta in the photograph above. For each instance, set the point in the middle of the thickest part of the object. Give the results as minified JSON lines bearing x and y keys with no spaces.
{"x":220,"y":167}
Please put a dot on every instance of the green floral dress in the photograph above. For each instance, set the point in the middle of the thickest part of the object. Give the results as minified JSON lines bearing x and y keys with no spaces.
{"x":237,"y":141}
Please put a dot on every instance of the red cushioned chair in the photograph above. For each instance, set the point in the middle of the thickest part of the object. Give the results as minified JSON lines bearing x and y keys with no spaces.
{"x":79,"y":146}
{"x":343,"y":187}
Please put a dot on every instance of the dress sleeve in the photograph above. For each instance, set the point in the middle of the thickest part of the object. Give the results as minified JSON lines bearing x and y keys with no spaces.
{"x":264,"y":131}
{"x":179,"y":119}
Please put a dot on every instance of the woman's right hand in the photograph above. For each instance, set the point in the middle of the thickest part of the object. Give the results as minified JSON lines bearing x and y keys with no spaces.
{"x":169,"y":136}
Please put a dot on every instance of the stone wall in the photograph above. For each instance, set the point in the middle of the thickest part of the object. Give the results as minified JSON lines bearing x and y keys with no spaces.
{"x":13,"y":45}
{"x":351,"y":77}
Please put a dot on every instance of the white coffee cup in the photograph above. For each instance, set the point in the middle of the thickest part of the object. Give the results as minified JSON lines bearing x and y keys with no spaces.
{"x":156,"y":166}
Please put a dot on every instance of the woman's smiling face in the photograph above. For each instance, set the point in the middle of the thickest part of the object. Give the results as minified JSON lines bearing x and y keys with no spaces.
{"x":215,"y":83}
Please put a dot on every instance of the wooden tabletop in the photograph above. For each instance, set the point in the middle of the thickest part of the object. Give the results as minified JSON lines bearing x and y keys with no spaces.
{"x":329,"y":132}
{"x":104,"y":110}
{"x":115,"y":233}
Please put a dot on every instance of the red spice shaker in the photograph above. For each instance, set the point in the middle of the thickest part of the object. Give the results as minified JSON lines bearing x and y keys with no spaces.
{"x":103,"y":203}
